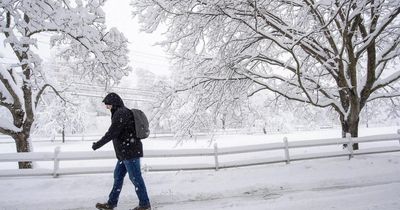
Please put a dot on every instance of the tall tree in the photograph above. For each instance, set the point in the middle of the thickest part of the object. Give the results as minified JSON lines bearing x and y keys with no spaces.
{"x":78,"y":28}
{"x":328,"y":53}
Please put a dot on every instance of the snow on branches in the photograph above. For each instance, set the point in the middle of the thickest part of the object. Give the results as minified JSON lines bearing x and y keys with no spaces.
{"x":77,"y":27}
{"x":328,"y":53}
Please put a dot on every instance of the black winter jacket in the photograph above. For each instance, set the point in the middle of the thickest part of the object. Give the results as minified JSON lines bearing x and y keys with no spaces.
{"x":121,"y":131}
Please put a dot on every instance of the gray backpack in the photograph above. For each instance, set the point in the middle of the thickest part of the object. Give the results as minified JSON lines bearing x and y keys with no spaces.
{"x":141,"y":124}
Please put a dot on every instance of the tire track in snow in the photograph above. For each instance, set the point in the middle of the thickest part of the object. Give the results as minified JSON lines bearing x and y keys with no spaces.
{"x":266,"y":194}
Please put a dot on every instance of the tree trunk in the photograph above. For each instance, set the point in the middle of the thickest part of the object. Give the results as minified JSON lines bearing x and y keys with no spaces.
{"x":350,"y":126}
{"x":63,"y":134}
{"x":223,"y":120}
{"x":23,"y":145}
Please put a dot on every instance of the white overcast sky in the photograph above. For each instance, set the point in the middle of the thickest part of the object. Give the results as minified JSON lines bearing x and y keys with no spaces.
{"x":143,"y":53}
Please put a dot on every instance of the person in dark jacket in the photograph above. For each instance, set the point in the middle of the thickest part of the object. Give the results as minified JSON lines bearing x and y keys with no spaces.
{"x":128,"y":151}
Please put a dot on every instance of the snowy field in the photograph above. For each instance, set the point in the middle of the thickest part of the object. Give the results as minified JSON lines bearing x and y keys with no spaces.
{"x":362,"y":183}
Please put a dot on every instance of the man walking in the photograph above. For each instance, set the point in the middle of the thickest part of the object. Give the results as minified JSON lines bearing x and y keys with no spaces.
{"x":128,"y":151}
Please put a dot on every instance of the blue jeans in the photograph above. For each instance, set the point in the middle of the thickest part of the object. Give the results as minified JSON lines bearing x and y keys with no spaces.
{"x":132,"y":166}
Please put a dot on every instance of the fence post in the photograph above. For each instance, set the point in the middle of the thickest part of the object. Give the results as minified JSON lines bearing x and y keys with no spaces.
{"x":398,"y":132}
{"x":56,"y":162}
{"x":286,"y":143}
{"x":216,"y":156}
{"x":350,"y":145}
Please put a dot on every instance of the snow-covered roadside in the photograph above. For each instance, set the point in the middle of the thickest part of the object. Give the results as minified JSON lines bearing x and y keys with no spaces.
{"x":365,"y":182}
{"x":202,"y":142}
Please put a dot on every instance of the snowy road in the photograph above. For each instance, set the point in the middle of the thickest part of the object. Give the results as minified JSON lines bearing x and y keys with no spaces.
{"x":365,"y":182}
{"x":332,"y":197}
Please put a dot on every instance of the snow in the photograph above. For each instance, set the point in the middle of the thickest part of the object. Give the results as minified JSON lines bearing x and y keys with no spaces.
{"x":3,"y":89}
{"x":368,"y":182}
{"x":364,"y":182}
{"x":6,"y":124}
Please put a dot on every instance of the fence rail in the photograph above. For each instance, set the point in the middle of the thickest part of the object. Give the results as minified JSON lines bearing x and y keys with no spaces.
{"x":216,"y":153}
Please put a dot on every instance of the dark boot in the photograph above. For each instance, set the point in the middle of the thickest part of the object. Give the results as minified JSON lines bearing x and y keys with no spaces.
{"x":148,"y":207}
{"x":104,"y":206}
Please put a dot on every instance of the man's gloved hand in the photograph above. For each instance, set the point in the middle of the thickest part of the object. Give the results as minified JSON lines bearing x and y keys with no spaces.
{"x":95,"y":146}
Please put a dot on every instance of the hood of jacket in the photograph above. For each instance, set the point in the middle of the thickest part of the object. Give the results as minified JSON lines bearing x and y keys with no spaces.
{"x":113,"y":99}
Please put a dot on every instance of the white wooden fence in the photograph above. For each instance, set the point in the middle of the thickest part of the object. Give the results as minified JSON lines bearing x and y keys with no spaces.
{"x":216,"y":153}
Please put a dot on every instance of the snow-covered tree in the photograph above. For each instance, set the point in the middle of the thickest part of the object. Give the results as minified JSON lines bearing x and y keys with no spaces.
{"x":78,"y":27}
{"x":57,"y":116}
{"x":340,"y":54}
{"x":381,"y":112}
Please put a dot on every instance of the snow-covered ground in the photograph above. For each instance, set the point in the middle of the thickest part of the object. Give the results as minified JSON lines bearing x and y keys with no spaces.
{"x":362,"y":183}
